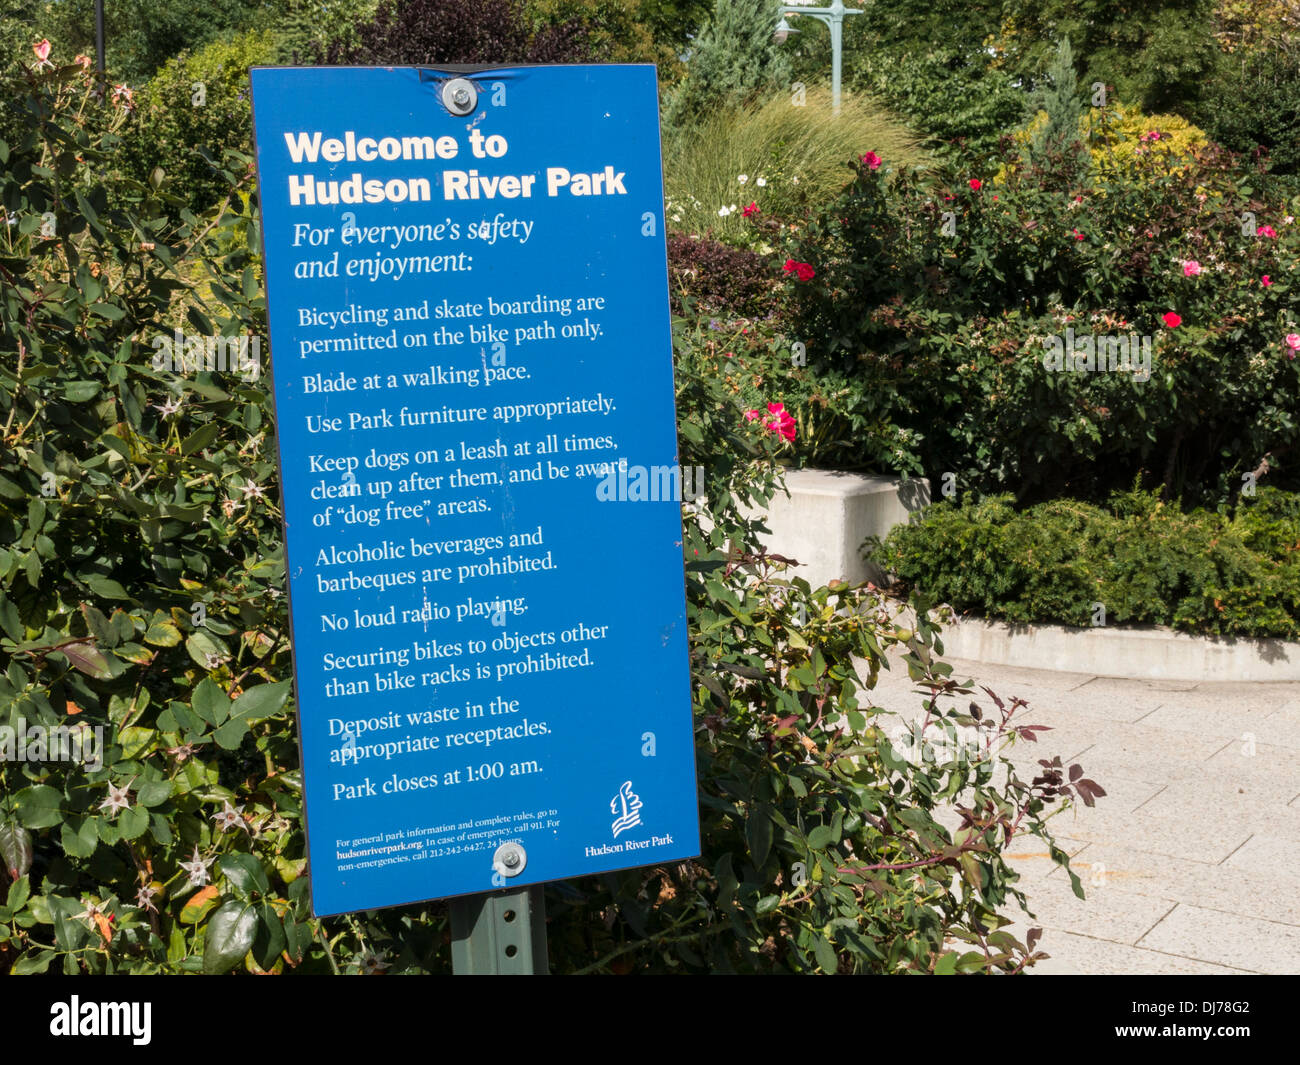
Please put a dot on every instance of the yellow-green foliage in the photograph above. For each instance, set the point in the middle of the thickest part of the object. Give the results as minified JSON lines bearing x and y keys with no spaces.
{"x":1114,"y":135}
{"x":799,"y":152}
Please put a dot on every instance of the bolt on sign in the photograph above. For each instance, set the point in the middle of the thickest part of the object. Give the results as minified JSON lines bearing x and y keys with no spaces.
{"x":468,"y":305}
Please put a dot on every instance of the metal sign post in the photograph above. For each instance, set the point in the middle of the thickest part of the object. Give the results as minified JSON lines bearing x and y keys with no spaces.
{"x":499,"y":934}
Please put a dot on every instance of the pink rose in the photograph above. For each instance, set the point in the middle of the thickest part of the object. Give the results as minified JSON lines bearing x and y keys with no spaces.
{"x":1191,"y":268}
{"x":975,"y":183}
{"x":872,"y":160}
{"x":779,"y":420}
{"x":1265,"y":281}
{"x":803,"y":271}
{"x":1172,"y":320}
{"x":1266,"y":231}
{"x":1293,"y":342}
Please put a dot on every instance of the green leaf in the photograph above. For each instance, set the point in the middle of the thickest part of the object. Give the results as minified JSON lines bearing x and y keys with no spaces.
{"x":261,"y":702}
{"x":19,"y":892}
{"x":947,"y":965}
{"x":162,"y":632}
{"x":200,"y":438}
{"x":81,"y":841}
{"x":245,"y":874}
{"x":10,"y":621}
{"x":105,"y":587}
{"x":25,"y":966}
{"x":270,"y":939}
{"x":210,"y":702}
{"x":80,"y":391}
{"x":229,"y":937}
{"x":826,"y":957}
{"x":153,"y":792}
{"x":758,"y":834}
{"x":821,"y":837}
{"x":39,"y":806}
{"x":230,"y":735}
{"x":132,"y":822}
{"x":204,"y":648}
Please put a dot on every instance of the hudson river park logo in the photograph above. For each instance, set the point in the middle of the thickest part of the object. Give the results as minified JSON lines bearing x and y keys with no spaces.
{"x":626,"y":807}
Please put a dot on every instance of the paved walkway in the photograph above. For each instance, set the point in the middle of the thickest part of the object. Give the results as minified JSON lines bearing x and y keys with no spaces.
{"x":1191,"y":863}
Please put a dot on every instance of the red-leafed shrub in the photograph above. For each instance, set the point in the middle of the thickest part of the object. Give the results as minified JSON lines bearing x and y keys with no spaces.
{"x":720,"y":277}
{"x":431,"y":32}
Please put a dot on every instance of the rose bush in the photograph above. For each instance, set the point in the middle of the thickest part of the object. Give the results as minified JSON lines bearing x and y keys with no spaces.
{"x":948,"y":295}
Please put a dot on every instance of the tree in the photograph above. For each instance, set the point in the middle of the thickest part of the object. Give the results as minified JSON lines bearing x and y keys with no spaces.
{"x":733,"y":61}
{"x":308,"y":26}
{"x":1155,"y":53}
{"x":141,"y":35}
{"x":432,"y":32}
{"x":1057,"y":139}
{"x":931,"y":62}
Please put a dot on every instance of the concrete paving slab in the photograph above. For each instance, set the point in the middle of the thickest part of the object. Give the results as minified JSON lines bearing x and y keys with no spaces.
{"x":1202,"y":840}
{"x":1210,"y":798}
{"x":1263,"y":769}
{"x":1269,"y":858}
{"x":1227,"y":939}
{"x":1149,"y":753}
{"x":1254,"y":888}
{"x":1011,"y":676}
{"x":1267,"y":727}
{"x":1191,"y":863}
{"x":1119,"y":916}
{"x":1076,"y":955}
{"x":1126,"y":689}
{"x":1029,"y":856}
{"x":1233,"y":698}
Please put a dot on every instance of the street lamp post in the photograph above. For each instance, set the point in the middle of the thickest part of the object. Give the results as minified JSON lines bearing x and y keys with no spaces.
{"x":833,"y":16}
{"x":99,"y":38}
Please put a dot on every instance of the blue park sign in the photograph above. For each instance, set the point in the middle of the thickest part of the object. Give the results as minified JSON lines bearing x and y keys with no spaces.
{"x":468,"y":306}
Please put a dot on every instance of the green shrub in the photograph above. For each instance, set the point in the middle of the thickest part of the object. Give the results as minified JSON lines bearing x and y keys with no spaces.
{"x":306,"y":28}
{"x":931,"y":64}
{"x":838,"y":424}
{"x":1160,"y":55}
{"x":943,"y":294}
{"x":142,"y":594}
{"x":196,"y":104}
{"x":1253,"y":104}
{"x":732,"y":61}
{"x":790,"y":158}
{"x":1144,"y":562}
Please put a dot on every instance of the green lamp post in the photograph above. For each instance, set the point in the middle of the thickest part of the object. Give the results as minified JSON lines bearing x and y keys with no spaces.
{"x":833,"y":16}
